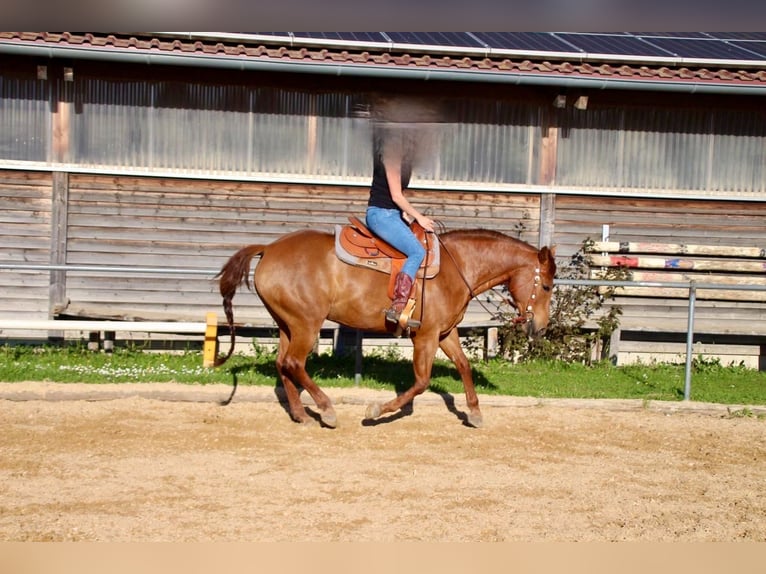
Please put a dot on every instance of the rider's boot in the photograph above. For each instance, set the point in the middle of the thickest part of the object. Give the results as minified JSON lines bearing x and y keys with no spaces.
{"x":402,"y":304}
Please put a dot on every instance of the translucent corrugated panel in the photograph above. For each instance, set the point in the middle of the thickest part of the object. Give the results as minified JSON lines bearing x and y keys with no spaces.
{"x":665,"y":149}
{"x":338,"y":142}
{"x":590,"y":149}
{"x":111,"y":125}
{"x":738,"y":154}
{"x":488,"y":142}
{"x":24,"y":119}
{"x":248,"y":131}
{"x":342,"y":149}
{"x":213,"y":129}
{"x":693,"y":150}
{"x":165,"y":125}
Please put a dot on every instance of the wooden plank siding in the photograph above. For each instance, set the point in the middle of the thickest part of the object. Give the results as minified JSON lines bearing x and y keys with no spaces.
{"x":25,"y":238}
{"x":670,"y":221}
{"x":198,"y":224}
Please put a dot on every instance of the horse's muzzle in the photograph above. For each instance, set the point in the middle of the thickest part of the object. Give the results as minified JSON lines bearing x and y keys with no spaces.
{"x":533,"y":331}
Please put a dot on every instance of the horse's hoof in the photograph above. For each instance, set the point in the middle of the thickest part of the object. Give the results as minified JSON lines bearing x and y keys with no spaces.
{"x":329,"y":419}
{"x":373,"y":411}
{"x":475,"y":420}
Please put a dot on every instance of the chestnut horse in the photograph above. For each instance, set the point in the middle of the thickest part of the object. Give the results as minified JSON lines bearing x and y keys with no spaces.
{"x":302,"y":283}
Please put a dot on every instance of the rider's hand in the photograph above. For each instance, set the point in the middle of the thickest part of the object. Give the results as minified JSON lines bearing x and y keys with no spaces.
{"x":426,"y":223}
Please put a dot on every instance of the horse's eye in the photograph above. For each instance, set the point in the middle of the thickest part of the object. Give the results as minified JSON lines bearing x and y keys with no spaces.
{"x":546,"y":287}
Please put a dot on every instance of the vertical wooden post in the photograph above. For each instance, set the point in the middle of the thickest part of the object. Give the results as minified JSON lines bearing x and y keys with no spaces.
{"x":94,"y":341}
{"x":547,"y":176}
{"x":58,"y":249}
{"x":210,"y":347}
{"x":108,"y":342}
{"x":61,"y":100}
{"x":491,"y":343}
{"x":549,"y":148}
{"x":61,"y":121}
{"x":358,"y":362}
{"x":614,"y":347}
{"x":547,"y":218}
{"x":311,"y":136}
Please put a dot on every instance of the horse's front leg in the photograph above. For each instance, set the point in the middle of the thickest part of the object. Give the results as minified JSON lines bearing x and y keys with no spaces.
{"x":422,"y":362}
{"x":454,"y":350}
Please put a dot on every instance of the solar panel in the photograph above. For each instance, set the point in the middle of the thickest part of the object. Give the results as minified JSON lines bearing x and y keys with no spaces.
{"x":758,"y":48}
{"x":703,"y":49}
{"x":671,"y":34}
{"x":455,"y":39}
{"x":530,"y":41}
{"x":761,"y":36}
{"x":750,"y":46}
{"x":347,"y":36}
{"x":622,"y":45}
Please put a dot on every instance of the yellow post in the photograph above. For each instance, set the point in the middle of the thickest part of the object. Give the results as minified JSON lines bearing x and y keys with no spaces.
{"x":210,"y":349}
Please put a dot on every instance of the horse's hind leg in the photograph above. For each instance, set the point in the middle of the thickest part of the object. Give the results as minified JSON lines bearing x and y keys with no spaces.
{"x":291,"y":366}
{"x":454,"y":351}
{"x":297,"y":411}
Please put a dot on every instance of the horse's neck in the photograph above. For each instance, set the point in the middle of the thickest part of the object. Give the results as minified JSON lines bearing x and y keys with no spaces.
{"x":487,"y":264}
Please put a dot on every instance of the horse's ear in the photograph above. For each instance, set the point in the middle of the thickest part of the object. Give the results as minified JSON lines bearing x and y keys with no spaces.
{"x":546,"y":253}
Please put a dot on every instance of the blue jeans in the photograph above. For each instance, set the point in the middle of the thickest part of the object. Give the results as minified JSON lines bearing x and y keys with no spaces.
{"x":389,"y":226}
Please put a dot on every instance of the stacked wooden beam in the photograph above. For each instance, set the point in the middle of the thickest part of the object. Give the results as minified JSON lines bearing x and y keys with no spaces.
{"x":662,"y":263}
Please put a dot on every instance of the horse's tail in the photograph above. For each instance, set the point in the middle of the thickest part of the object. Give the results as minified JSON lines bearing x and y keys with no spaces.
{"x":235,"y":272}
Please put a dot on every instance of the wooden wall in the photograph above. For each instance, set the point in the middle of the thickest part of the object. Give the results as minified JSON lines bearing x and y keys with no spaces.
{"x":25,"y":238}
{"x":198,"y":224}
{"x":100,"y":220}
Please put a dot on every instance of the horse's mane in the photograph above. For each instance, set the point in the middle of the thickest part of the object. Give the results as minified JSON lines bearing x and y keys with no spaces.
{"x":480,"y":233}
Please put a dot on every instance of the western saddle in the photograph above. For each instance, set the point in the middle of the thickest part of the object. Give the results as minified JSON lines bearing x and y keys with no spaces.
{"x":356,"y":245}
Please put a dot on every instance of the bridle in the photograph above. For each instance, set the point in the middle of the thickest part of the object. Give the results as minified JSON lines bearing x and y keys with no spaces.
{"x":528,"y":314}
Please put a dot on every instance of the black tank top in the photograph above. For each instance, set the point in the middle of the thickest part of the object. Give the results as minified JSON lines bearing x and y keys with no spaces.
{"x":380,"y":194}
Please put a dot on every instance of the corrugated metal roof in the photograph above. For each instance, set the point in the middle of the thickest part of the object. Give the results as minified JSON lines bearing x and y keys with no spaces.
{"x":724,"y":59}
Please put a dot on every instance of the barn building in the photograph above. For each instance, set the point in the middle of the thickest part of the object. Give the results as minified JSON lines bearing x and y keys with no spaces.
{"x":165,"y":152}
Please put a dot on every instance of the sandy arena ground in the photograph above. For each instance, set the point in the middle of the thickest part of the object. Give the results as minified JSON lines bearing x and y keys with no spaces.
{"x":166,"y":462}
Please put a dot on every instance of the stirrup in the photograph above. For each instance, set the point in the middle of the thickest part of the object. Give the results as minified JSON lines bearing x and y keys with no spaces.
{"x":403,"y":319}
{"x":392,"y":316}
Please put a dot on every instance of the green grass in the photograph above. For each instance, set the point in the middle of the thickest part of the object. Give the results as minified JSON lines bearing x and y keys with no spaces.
{"x":711,"y":382}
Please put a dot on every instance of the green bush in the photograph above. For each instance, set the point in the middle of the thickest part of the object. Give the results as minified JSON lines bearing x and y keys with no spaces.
{"x":572,"y":309}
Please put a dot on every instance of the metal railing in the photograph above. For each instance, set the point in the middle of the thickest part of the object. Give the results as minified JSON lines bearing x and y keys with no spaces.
{"x":691,"y":285}
{"x":108,"y":269}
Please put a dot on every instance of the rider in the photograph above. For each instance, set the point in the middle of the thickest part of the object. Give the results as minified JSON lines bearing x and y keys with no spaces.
{"x":389,"y":211}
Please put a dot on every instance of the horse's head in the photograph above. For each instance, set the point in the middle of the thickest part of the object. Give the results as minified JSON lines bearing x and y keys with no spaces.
{"x":531,"y":288}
